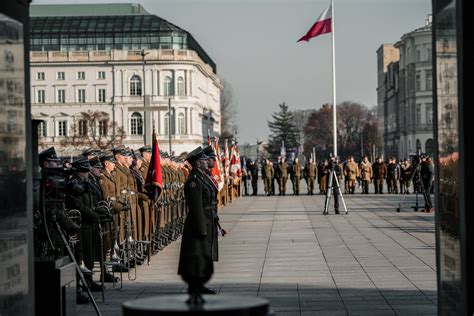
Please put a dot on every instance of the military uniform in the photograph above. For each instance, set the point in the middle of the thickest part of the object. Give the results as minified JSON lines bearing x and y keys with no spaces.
{"x":268,"y":173}
{"x":253,"y":168}
{"x":351,"y":171}
{"x":80,"y":196}
{"x":393,"y":175}
{"x":311,"y":172}
{"x":283,"y":176}
{"x":366,"y":174}
{"x":380,"y":174}
{"x":200,"y":230}
{"x":296,"y":176}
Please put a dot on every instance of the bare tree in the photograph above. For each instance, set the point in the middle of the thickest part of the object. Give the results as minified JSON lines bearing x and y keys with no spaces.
{"x":228,"y":111}
{"x":356,"y":130}
{"x":94,"y":129}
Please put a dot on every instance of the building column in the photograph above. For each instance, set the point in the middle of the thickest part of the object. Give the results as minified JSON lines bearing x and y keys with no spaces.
{"x":186,"y":120}
{"x":173,"y":81}
{"x":186,"y":90}
{"x":158,"y":83}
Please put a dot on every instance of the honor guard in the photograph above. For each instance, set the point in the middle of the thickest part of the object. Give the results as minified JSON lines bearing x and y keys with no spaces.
{"x":200,"y":229}
{"x":80,"y":196}
{"x":310,"y":172}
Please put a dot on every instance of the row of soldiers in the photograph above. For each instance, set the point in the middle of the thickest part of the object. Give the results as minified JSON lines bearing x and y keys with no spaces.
{"x":117,"y":212}
{"x":397,"y":176}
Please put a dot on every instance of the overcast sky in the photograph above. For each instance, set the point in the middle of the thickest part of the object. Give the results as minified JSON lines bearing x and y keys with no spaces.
{"x":253,"y":43}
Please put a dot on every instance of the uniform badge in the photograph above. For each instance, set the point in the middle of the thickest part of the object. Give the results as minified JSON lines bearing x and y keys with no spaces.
{"x":192,"y":184}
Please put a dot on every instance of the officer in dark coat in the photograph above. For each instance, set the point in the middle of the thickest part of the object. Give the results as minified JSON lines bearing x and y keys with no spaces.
{"x":196,"y":264}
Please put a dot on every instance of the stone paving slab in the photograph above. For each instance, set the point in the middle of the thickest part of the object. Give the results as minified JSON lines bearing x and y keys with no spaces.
{"x":372,"y":261}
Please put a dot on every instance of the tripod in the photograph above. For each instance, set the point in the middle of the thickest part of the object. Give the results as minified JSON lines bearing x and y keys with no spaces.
{"x":332,"y":175}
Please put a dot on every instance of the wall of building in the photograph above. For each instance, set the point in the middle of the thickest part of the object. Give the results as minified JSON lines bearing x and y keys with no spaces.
{"x":199,"y":91}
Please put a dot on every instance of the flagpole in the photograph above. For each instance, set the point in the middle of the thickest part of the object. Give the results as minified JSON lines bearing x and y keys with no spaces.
{"x":334,"y":120}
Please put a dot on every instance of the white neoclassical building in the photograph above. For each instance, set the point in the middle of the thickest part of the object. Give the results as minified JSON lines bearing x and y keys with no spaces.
{"x":117,"y":59}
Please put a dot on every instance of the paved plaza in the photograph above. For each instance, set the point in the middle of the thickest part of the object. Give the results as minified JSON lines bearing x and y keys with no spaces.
{"x":372,"y":261}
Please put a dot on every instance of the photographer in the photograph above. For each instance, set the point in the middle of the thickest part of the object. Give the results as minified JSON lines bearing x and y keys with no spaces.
{"x":337,"y":168}
{"x":53,"y":180}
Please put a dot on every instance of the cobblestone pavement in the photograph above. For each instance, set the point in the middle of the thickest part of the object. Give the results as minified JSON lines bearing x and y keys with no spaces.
{"x":372,"y":261}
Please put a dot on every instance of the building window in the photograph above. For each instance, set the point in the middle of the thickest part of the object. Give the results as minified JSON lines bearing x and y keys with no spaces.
{"x":418,"y":81}
{"x":40,"y":76}
{"x":101,"y":95}
{"x":180,"y":86}
{"x":135,"y":85}
{"x":61,"y":96}
{"x":81,"y":95}
{"x":40,"y":96}
{"x":81,"y":75}
{"x":429,"y":113}
{"x":62,"y":128}
{"x":168,"y":89}
{"x":61,"y":75}
{"x":103,"y":127}
{"x":428,"y":54}
{"x":418,"y":114}
{"x":181,"y":124}
{"x":418,"y":55}
{"x":418,"y":145}
{"x":429,"y":80}
{"x":136,"y":124}
{"x":167,"y":124}
{"x":101,"y":75}
{"x":42,"y":129}
{"x":82,"y":128}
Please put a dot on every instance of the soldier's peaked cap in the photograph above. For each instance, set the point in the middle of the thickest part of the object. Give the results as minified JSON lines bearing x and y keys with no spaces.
{"x":121,"y":151}
{"x":209,"y":152}
{"x":107,"y":156}
{"x":145,"y":149}
{"x":95,"y":163}
{"x":48,"y":154}
{"x":90,"y":152}
{"x":196,"y":154}
{"x":81,"y":165}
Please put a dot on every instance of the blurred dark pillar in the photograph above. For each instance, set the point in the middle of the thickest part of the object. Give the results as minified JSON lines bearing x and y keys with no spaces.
{"x":16,"y":214}
{"x":452,"y":61}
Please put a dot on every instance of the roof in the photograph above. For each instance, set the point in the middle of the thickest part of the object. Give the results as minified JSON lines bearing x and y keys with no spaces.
{"x":89,"y":9}
{"x":112,"y":26}
{"x":101,"y":24}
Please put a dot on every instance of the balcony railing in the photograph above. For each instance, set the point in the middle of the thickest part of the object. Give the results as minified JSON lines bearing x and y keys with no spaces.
{"x":118,"y":55}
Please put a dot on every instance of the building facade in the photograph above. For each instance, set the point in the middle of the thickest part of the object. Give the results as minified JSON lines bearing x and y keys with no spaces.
{"x":405,"y":101}
{"x":114,"y":66}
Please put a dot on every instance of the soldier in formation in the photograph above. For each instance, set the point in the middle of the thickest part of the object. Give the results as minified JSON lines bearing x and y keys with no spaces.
{"x":118,"y":218}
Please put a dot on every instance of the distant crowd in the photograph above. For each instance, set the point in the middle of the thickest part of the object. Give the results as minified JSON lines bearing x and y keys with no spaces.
{"x":399,"y":177}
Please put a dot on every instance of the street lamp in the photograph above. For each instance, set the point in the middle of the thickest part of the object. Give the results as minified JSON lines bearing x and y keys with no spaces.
{"x":146,"y":132}
{"x":169,"y":122}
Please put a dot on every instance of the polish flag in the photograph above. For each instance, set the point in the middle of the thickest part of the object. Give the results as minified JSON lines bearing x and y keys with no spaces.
{"x":322,"y":25}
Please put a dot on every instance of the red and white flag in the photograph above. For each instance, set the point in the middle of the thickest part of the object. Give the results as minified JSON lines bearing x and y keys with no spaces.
{"x":321,"y":26}
{"x":235,"y":160}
